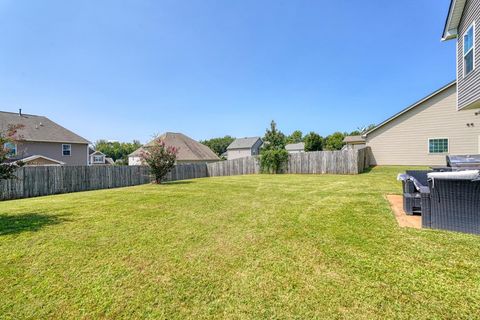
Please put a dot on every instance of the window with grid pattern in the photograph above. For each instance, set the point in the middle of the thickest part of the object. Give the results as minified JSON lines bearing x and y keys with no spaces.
{"x":438,"y":145}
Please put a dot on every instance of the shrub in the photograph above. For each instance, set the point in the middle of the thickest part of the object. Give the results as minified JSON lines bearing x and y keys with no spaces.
{"x":8,"y":168}
{"x":273,"y":156}
{"x":160,"y":158}
{"x":273,"y":161}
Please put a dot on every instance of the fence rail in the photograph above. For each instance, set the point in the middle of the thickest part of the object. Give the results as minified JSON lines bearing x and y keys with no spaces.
{"x":45,"y":180}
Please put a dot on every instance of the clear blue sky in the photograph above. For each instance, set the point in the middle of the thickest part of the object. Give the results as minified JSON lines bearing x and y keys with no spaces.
{"x":124,"y":70}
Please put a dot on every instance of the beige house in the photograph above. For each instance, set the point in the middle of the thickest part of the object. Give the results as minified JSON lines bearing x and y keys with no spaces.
{"x":354,"y":142}
{"x":189,"y":150}
{"x":244,"y":147}
{"x":43,"y":142}
{"x":425,"y":132}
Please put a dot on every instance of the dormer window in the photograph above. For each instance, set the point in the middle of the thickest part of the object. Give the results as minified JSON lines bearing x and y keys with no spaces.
{"x":98,"y":159}
{"x":469,"y":50}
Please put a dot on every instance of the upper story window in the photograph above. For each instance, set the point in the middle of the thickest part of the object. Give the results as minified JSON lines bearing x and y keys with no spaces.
{"x":11,"y":149}
{"x":98,"y":159}
{"x":469,"y":50}
{"x":66,"y":149}
{"x":438,"y":145}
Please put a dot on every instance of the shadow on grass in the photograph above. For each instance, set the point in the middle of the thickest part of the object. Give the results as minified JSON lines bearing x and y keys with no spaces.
{"x":176,"y":182}
{"x":26,"y":222}
{"x":367,"y":170}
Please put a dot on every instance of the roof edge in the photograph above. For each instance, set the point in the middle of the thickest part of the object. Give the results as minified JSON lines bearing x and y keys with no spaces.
{"x":416,"y":104}
{"x":450,"y":30}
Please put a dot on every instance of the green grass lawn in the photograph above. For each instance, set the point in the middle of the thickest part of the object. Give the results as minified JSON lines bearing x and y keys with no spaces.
{"x":259,"y":246}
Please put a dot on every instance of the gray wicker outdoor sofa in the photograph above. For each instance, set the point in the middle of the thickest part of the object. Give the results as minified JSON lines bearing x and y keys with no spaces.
{"x":449,"y":201}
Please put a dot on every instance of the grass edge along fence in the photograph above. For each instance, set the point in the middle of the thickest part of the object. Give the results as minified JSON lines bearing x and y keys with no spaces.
{"x":48,"y":180}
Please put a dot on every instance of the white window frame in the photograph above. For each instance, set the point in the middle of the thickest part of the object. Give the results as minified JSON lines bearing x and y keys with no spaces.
{"x":464,"y":54}
{"x":14,"y":153}
{"x":69,"y":148}
{"x":100,"y":156}
{"x":440,"y":138}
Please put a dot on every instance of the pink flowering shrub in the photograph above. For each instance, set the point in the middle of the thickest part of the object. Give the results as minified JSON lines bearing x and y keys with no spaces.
{"x":160,"y":158}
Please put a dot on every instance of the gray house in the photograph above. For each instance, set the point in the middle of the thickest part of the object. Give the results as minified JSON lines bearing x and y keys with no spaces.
{"x":44,"y":142}
{"x":244,"y":147}
{"x":295,"y":147}
{"x":461,"y":24}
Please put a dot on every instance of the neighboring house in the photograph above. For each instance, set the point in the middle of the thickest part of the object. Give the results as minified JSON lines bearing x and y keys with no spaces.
{"x":354,"y":142}
{"x":463,"y":23}
{"x":43,"y":141}
{"x":244,"y":147}
{"x":425,"y":132}
{"x":99,"y":158}
{"x":189,"y":150}
{"x":295,"y":147}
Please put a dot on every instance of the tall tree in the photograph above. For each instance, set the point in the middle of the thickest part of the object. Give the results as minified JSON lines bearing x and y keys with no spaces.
{"x":295,"y":137}
{"x":313,"y":142}
{"x":274,"y":138}
{"x":218,"y":145}
{"x":273,"y":156}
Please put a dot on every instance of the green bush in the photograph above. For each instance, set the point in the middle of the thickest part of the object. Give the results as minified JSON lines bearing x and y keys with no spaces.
{"x":273,"y":160}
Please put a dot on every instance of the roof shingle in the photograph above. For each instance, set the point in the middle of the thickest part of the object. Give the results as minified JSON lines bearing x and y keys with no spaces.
{"x":188,"y":149}
{"x":243,"y":143}
{"x":38,"y":128}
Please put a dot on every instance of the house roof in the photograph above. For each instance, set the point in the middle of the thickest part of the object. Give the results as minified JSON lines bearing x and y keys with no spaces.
{"x":35,"y":157}
{"x":96,"y":153}
{"x":354,"y":139}
{"x":295,"y":146}
{"x":243,"y":143}
{"x":455,"y":12}
{"x":416,"y":104}
{"x":188,"y":149}
{"x":38,"y":128}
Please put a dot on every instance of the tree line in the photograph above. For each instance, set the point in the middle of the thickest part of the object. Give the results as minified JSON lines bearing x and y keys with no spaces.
{"x":313,"y":141}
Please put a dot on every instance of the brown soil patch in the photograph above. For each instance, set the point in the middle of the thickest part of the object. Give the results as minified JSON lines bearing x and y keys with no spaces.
{"x":404,"y":220}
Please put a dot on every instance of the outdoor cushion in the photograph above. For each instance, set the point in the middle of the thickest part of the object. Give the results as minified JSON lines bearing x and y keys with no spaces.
{"x":456,"y":175}
{"x":406,"y":177}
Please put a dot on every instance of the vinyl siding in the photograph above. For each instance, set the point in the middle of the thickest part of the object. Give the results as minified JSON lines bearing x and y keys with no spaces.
{"x":53,"y":150}
{"x":238,"y":153}
{"x":242,"y":153}
{"x":404,"y":140}
{"x":469,"y":86}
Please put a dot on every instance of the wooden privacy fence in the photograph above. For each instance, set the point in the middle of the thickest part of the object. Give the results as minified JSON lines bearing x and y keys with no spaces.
{"x":347,"y":161}
{"x":46,"y":180}
{"x":333,"y":162}
{"x":41,"y":181}
{"x":187,"y":171}
{"x":248,"y":165}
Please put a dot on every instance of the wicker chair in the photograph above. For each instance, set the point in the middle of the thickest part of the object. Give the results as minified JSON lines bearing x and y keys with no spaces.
{"x":451,"y":205}
{"x":412,"y":202}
